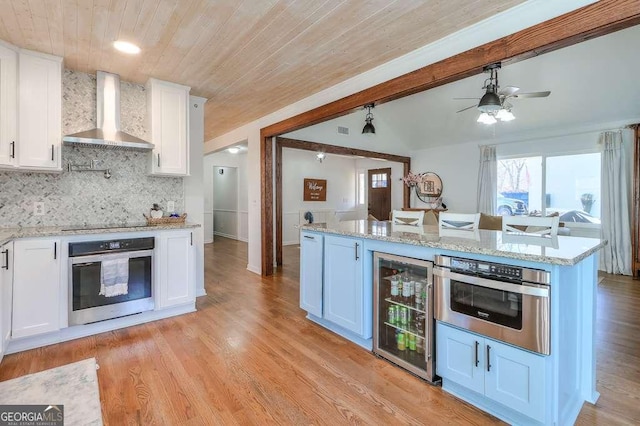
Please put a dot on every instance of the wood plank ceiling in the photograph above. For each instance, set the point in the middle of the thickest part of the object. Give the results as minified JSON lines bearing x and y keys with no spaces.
{"x":248,"y":57}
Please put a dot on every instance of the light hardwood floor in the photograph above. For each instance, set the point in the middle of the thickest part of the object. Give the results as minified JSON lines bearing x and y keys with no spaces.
{"x":248,"y":356}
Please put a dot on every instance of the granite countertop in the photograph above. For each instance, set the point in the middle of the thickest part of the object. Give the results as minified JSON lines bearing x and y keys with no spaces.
{"x":8,"y":234}
{"x":557,"y":250}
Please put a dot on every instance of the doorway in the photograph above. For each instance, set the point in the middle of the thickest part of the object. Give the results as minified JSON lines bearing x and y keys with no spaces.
{"x":379,"y":193}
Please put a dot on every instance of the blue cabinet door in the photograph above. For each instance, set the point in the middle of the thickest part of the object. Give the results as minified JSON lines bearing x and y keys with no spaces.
{"x":311,"y":249}
{"x":343,"y":282}
{"x":460,"y":357}
{"x":515,"y":378}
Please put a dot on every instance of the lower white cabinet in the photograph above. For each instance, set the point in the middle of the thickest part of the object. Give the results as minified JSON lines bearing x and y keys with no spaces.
{"x":36,"y":287}
{"x":176,"y":269}
{"x":311,"y":252}
{"x":510,"y":376}
{"x":6,"y":295}
{"x":343,"y":297}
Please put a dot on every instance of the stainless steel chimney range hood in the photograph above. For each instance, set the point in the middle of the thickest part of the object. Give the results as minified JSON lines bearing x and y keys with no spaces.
{"x":108,"y":133}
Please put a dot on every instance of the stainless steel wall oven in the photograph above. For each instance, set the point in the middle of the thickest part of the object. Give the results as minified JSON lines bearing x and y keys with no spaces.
{"x":86,"y":304}
{"x":507,"y":303}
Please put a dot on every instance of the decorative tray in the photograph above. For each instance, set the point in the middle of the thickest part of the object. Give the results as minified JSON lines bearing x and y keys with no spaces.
{"x":165,"y":220}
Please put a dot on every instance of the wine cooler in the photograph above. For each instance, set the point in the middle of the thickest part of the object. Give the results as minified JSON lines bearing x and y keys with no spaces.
{"x":403,"y":325}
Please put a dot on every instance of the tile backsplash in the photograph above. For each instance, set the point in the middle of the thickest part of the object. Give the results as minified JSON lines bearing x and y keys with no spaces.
{"x":75,"y":198}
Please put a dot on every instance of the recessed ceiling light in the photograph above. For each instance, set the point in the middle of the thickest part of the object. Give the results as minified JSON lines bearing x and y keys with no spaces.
{"x":126,"y":47}
{"x":233,"y":150}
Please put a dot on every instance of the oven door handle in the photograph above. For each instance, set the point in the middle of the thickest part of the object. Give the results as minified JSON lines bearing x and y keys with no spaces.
{"x":525,"y":288}
{"x":105,"y":256}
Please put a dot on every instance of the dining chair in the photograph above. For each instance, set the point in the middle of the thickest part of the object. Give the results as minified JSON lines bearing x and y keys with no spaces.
{"x":531,"y":225}
{"x":459,"y":221}
{"x":414,"y":218}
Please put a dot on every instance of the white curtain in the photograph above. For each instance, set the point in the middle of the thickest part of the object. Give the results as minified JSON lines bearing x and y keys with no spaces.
{"x":615,"y":257}
{"x":487,"y":180}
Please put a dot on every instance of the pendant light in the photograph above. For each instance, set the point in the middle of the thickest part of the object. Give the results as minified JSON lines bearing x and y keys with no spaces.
{"x":368,"y":127}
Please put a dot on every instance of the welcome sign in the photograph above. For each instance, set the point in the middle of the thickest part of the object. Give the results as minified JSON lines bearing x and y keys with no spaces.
{"x":315,"y":190}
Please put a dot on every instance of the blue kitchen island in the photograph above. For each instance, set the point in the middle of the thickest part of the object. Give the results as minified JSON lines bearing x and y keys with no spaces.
{"x":518,"y":385}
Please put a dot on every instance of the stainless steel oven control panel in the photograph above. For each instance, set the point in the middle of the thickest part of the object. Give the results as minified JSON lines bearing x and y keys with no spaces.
{"x":493,"y":270}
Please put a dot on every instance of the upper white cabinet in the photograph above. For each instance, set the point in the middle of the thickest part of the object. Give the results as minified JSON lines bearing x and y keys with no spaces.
{"x":39,"y":111}
{"x":168,"y":115}
{"x":36,"y":287}
{"x":8,"y":105}
{"x":176,"y":269}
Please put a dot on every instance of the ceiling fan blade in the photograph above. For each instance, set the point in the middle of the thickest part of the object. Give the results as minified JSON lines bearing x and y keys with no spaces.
{"x":457,"y":99}
{"x":464,"y":109}
{"x":533,"y":95}
{"x":508,"y":91}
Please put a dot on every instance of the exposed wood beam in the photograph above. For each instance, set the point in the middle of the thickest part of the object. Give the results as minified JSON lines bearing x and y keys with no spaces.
{"x":595,"y":20}
{"x":340,"y":150}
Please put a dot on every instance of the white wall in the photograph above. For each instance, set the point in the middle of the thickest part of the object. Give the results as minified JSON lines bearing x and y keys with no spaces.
{"x":340,"y":174}
{"x":515,"y":19}
{"x":225,"y":202}
{"x":194,"y":187}
{"x":239,"y":162}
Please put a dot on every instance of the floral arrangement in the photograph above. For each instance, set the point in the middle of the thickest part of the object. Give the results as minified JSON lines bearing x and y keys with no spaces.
{"x":412,"y":179}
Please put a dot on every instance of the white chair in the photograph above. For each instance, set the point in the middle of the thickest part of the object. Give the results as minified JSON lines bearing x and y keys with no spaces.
{"x":459,"y":221}
{"x":413,"y":218}
{"x":531,"y":225}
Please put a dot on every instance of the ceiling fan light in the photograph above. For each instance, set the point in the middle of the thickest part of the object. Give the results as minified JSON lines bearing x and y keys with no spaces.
{"x":490,"y":102}
{"x":505,"y":115}
{"x":320,"y":156}
{"x":485,"y":118}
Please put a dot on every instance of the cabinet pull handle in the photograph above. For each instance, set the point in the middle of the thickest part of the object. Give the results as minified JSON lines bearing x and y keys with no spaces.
{"x":357,"y":245}
{"x":13,"y":149}
{"x":477,"y":360}
{"x":309,"y":237}
{"x":55,"y":250}
{"x":192,"y":238}
{"x":488,"y":358}
{"x":6,"y":259}
{"x":158,"y":159}
{"x":52,"y":152}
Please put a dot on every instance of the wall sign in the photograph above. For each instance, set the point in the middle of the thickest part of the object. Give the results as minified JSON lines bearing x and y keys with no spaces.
{"x":315,"y":190}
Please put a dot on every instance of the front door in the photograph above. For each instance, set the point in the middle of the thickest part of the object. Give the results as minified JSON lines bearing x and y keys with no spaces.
{"x":379,"y":193}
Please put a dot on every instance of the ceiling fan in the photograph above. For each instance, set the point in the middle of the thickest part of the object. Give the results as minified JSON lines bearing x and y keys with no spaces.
{"x":494,"y":104}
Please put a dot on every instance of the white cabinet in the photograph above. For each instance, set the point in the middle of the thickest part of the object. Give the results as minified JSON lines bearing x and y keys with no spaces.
{"x":176,"y":269}
{"x":512,"y":377}
{"x":39,"y":111}
{"x":36,"y":287}
{"x":168,"y":115}
{"x":8,"y":105}
{"x":343,"y":283}
{"x":311,"y":249}
{"x":6,"y":295}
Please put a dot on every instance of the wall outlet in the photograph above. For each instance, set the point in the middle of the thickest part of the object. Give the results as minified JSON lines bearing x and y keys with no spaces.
{"x":38,"y":208}
{"x":171,"y":206}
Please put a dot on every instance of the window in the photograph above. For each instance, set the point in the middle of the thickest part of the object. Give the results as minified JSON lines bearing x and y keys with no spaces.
{"x":566,"y":184}
{"x":361,"y":187}
{"x":379,"y":180}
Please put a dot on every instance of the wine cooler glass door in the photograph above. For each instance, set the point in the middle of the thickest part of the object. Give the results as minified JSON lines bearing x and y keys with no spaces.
{"x":403,"y":312}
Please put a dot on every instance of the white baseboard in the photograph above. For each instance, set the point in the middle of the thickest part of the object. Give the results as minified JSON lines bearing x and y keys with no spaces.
{"x":209,"y":241}
{"x":220,"y":234}
{"x":201,"y":292}
{"x":254,"y":269}
{"x":290,"y":243}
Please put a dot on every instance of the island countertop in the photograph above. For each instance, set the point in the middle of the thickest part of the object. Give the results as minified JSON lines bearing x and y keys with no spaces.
{"x":556,"y":250}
